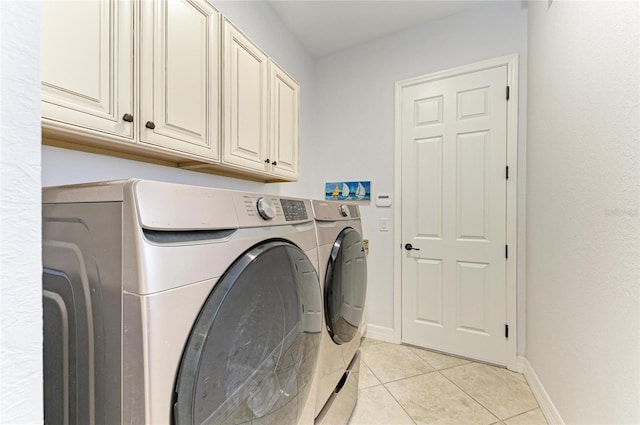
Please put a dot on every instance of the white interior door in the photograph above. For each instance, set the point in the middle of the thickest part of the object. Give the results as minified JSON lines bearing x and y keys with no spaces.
{"x":454,"y":193}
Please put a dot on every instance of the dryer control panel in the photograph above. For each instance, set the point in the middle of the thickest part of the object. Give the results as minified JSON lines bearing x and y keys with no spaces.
{"x":335,"y":210}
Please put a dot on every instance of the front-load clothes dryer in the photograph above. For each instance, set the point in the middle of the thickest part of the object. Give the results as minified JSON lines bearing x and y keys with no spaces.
{"x":175,"y":304}
{"x":343,"y":275}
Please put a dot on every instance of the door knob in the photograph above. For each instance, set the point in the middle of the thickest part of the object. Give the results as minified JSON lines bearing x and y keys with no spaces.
{"x":275,"y":163}
{"x":267,"y":161}
{"x":410,"y":247}
{"x":150,"y":125}
{"x":128,"y":117}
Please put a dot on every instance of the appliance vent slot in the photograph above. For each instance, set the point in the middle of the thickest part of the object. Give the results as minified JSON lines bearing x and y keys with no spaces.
{"x":170,"y":237}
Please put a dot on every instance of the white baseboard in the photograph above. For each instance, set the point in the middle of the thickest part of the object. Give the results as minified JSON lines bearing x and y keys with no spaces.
{"x":546,"y":405}
{"x":381,"y":333}
{"x":520,"y":362}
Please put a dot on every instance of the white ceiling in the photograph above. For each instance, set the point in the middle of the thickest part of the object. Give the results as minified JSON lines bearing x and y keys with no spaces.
{"x":327,"y":26}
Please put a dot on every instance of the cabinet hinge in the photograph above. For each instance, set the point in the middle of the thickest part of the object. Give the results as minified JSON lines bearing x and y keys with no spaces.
{"x":506,"y":331}
{"x":506,"y":251}
{"x":507,"y":92}
{"x":507,"y":172}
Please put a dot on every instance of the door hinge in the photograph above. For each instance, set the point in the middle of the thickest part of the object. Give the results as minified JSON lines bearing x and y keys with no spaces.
{"x":506,"y":331}
{"x":507,"y":172}
{"x":506,"y":251}
{"x":507,"y":92}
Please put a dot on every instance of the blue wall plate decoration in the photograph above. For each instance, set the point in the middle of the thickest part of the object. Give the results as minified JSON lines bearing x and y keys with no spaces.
{"x":348,"y":191}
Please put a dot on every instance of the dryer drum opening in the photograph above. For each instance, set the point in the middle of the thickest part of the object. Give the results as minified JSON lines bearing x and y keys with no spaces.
{"x":345,"y":286}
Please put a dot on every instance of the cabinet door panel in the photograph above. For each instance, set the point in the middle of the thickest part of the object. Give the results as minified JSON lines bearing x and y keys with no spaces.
{"x":86,"y":64}
{"x":245,"y":85}
{"x":179,"y":76}
{"x":284,"y":94}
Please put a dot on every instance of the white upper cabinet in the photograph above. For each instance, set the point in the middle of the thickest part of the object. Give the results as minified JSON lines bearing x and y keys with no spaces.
{"x":284,"y":94}
{"x":166,"y":80}
{"x":261,"y":109}
{"x":179,"y":76}
{"x":87,"y":65}
{"x":245,"y":77}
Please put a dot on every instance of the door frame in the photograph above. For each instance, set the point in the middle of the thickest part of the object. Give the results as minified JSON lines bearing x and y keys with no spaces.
{"x":511,"y":61}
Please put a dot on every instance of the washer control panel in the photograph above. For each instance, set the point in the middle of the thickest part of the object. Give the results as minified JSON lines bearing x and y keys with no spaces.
{"x":294,"y":210}
{"x":256,"y":210}
{"x":266,"y":208}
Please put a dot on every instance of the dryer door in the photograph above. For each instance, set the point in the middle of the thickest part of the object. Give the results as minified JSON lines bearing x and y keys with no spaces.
{"x":252,"y":352}
{"x":345,"y":286}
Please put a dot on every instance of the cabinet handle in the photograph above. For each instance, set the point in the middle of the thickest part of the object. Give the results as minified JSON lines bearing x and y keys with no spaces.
{"x":267,"y":161}
{"x":128,"y":117}
{"x":275,"y":163}
{"x":150,"y":125}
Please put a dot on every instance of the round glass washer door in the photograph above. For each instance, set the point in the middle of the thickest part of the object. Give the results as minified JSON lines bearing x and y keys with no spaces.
{"x":345,"y":286}
{"x":253,"y":349}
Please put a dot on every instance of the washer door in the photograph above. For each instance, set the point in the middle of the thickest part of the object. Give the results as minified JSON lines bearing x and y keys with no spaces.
{"x":345,"y":286}
{"x":252,"y":352}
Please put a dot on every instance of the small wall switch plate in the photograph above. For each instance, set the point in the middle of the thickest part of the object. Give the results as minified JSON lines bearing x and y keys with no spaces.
{"x":384,"y":225}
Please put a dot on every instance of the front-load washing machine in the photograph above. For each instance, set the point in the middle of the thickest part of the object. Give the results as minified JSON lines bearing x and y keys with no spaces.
{"x":343,"y":276}
{"x":175,"y":304}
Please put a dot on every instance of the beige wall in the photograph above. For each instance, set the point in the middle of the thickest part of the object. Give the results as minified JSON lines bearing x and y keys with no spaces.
{"x":354,"y":121}
{"x":583,"y":224}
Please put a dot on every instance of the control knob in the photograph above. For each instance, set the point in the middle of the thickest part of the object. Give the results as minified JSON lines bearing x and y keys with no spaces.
{"x":266,"y":208}
{"x":343,"y":210}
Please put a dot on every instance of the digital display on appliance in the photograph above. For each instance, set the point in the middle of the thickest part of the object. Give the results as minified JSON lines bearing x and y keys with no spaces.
{"x":293,"y":210}
{"x":353,"y":211}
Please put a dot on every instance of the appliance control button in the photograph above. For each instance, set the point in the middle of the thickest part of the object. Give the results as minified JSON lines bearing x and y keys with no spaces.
{"x":266,"y":208}
{"x":343,"y":210}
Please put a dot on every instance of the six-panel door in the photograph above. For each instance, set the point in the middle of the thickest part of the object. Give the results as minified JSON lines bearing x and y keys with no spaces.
{"x":454,"y":214}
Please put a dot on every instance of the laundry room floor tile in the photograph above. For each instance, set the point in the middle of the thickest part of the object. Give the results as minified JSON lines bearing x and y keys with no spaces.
{"x":368,"y":341}
{"x":494,"y":388}
{"x":367,"y":378}
{"x":390,"y":362}
{"x":439,"y":361}
{"x":377,"y":407}
{"x":404,"y":384}
{"x":442,"y":396}
{"x":533,"y":417}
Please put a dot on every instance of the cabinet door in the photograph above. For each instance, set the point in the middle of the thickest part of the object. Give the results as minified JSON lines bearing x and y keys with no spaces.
{"x":86,"y":65}
{"x":245,"y":102}
{"x":179,"y":84}
{"x":284,"y":93}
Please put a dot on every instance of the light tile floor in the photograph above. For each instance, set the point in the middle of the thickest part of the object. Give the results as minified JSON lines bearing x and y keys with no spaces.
{"x":400,"y":384}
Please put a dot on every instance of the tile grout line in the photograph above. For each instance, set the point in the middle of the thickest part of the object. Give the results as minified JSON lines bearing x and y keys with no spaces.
{"x":489,"y":410}
{"x":438,"y":370}
{"x":387,"y":390}
{"x":406,"y":377}
{"x":398,"y":403}
{"x":523,"y":413}
{"x":473,"y":398}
